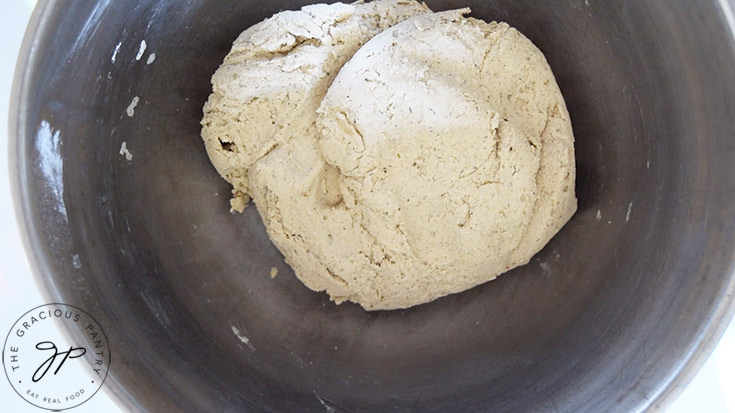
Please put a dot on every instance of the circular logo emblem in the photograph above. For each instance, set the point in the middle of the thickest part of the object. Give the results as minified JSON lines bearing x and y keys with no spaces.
{"x":56,"y":356}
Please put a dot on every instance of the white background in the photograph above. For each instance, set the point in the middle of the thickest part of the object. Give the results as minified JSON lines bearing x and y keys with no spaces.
{"x":712,"y":391}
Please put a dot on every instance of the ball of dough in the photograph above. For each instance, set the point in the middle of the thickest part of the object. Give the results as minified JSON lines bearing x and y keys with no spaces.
{"x":440,"y":156}
{"x":270,"y":84}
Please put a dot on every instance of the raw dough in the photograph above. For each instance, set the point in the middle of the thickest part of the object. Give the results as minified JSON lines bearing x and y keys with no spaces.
{"x":440,"y":156}
{"x":273,"y":79}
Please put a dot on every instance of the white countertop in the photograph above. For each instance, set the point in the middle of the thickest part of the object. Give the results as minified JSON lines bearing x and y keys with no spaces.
{"x":711,"y":391}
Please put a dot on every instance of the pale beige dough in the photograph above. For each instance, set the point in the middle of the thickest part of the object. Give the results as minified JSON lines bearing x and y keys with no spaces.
{"x":270,"y":84}
{"x":440,"y":156}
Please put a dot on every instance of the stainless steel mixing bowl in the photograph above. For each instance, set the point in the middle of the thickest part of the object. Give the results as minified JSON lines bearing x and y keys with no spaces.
{"x":616,"y":313}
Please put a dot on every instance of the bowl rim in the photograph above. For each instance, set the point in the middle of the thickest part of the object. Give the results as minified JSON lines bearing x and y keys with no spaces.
{"x":30,"y":234}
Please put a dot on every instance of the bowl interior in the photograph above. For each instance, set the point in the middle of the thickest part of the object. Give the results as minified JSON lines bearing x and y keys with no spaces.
{"x":607,"y":316}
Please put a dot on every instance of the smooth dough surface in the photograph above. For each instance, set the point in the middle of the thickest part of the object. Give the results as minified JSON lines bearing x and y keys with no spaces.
{"x":431,"y":154}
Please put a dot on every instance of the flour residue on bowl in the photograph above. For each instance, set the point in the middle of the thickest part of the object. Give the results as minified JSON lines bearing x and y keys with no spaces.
{"x":131,"y":108}
{"x":48,"y":145}
{"x":545,"y":267}
{"x":114,"y":52}
{"x":76,"y":261}
{"x":242,"y":337}
{"x":328,"y":408}
{"x":125,"y":152}
{"x":141,"y":50}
